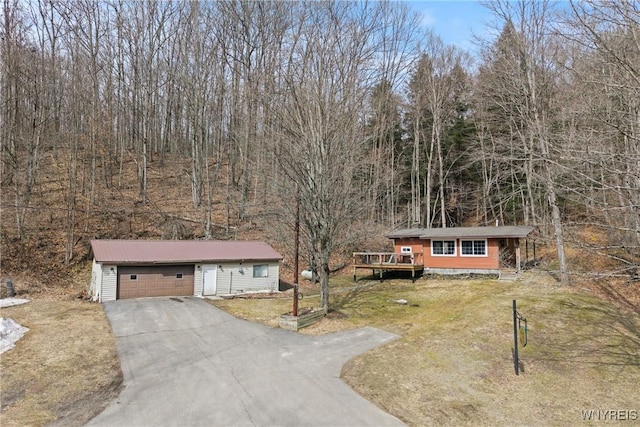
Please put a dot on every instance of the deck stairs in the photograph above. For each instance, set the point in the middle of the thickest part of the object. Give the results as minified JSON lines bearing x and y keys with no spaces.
{"x":508,"y":275}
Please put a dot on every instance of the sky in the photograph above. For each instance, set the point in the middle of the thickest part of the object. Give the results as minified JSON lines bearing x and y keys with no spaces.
{"x":454,"y":21}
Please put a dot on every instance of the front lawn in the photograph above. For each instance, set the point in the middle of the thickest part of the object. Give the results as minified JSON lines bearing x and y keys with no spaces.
{"x":65,"y":369}
{"x":453,"y":364}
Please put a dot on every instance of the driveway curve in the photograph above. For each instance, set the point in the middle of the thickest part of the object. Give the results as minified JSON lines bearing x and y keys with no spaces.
{"x":188,"y":363}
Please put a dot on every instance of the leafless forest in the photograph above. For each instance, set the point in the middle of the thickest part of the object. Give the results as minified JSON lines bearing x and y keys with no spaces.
{"x":199,"y":119}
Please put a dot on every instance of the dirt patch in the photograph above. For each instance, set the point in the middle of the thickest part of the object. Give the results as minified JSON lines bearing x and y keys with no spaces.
{"x":65,"y":370}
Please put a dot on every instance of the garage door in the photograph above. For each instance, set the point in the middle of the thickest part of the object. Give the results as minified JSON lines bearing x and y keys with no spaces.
{"x":155,"y":281}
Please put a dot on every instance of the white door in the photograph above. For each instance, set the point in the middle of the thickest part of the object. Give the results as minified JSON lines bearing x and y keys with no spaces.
{"x":209,"y":277}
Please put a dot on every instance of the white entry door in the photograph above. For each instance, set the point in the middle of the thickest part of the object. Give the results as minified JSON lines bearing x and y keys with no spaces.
{"x":209,"y":275}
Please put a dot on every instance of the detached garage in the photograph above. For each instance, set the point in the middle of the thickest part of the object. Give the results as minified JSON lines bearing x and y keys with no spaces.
{"x":151,"y":268}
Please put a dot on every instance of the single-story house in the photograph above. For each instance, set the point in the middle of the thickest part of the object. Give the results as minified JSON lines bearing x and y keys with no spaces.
{"x":148,"y":268}
{"x":462,"y":249}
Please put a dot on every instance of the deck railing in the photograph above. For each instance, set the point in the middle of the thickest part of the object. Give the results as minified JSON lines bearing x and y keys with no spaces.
{"x":387,"y":258}
{"x":382,"y":262}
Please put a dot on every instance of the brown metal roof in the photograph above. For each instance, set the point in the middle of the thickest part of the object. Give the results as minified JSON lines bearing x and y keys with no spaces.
{"x":180,"y":251}
{"x":406,"y":233}
{"x":506,"y":231}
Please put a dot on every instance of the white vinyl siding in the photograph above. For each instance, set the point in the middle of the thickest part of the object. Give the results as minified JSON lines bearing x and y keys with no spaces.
{"x":443,"y":247}
{"x":231,"y":278}
{"x":473,"y":248}
{"x":235,"y":278}
{"x":109,"y":283}
{"x":95,"y":288}
{"x":198,"y":279}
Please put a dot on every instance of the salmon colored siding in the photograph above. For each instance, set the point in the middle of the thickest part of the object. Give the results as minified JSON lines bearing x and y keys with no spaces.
{"x":416,"y":248}
{"x":414,"y":243}
{"x":488,"y":262}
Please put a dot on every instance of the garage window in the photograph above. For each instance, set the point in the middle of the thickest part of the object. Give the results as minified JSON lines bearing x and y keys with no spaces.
{"x":133,"y":277}
{"x":178,"y":275}
{"x":261,"y":270}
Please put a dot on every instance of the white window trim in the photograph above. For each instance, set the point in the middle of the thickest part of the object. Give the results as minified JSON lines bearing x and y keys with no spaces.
{"x":455,"y":247}
{"x":486,"y":248}
{"x":406,"y":250}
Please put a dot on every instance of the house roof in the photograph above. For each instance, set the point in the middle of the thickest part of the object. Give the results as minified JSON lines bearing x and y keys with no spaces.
{"x":180,"y":251}
{"x":507,"y":231}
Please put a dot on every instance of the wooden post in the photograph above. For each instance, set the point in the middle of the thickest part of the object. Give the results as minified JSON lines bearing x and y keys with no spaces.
{"x":518,"y":255}
{"x":354,"y":267}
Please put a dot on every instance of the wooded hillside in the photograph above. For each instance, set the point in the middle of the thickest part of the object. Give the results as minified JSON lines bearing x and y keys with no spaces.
{"x":136,"y":119}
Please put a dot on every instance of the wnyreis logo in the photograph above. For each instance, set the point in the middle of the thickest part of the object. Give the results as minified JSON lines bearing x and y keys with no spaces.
{"x":609,"y":415}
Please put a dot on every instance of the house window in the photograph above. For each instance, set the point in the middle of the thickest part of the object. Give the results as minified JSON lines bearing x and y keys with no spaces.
{"x":261,"y":270}
{"x":443,"y":247}
{"x":133,"y":277}
{"x":405,"y":249}
{"x":178,"y":275}
{"x":473,"y":247}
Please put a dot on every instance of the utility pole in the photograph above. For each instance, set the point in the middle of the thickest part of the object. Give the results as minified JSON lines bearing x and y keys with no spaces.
{"x":296,"y":255}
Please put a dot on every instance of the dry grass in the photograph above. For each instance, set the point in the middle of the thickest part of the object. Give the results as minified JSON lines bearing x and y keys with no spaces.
{"x":64,"y":370}
{"x":454,"y":366}
{"x":257,"y":310}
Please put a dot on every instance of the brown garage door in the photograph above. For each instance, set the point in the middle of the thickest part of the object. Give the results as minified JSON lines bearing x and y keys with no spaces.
{"x":155,"y":281}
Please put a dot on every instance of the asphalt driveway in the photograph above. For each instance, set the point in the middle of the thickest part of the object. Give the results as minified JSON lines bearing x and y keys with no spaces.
{"x":187,"y":363}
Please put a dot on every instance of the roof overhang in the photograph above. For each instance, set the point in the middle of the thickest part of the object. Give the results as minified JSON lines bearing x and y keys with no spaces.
{"x":185,"y":262}
{"x":163,"y":252}
{"x":495,"y":232}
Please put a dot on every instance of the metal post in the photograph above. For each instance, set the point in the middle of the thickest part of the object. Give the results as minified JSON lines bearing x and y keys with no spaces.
{"x":516,"y":362}
{"x":296,"y":266}
{"x":355,"y":269}
{"x":11,"y":292}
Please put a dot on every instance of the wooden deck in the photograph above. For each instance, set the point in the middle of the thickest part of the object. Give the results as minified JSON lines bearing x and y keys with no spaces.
{"x":380,"y":262}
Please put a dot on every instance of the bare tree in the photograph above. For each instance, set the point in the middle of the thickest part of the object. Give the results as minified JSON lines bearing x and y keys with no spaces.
{"x":435,"y":94}
{"x":24,"y":118}
{"x":387,"y":153}
{"x":386,"y":163}
{"x":319,"y":127}
{"x":604,"y":111}
{"x":527,"y":78}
